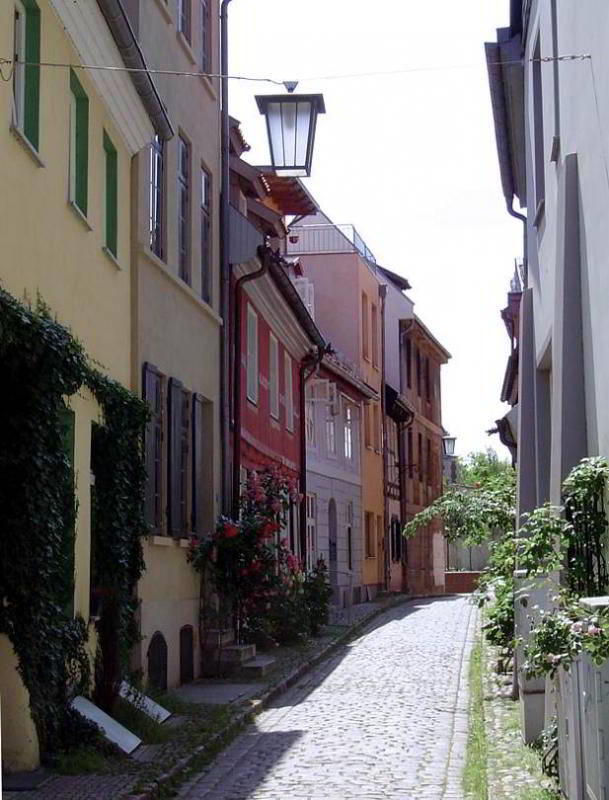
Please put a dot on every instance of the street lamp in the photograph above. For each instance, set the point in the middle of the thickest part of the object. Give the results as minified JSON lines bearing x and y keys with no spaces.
{"x":449,"y":445}
{"x":291,"y":120}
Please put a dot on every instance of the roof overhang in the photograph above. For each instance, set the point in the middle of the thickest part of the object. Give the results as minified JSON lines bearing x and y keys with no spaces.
{"x":402,"y":284}
{"x":255,"y":182}
{"x":506,"y":82}
{"x":289,"y":194}
{"x":334,"y":365}
{"x":397,"y":406}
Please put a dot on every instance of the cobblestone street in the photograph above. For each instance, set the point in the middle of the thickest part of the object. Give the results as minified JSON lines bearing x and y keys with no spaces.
{"x":384,"y":719}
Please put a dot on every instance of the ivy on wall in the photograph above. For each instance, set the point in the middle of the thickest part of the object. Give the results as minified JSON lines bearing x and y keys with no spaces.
{"x":40,"y":364}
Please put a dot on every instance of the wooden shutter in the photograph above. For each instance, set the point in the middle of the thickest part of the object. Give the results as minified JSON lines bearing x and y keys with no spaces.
{"x":174,"y":461}
{"x":198,"y":471}
{"x":151,"y":383}
{"x":252,"y":354}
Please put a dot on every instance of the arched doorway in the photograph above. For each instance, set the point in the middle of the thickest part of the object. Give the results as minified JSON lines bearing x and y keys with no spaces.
{"x":332,"y":547}
{"x":186,"y":654}
{"x":157,"y":662}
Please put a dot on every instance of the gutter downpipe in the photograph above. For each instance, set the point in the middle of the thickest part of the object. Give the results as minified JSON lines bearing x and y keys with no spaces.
{"x":525,"y":247}
{"x":403,"y":472}
{"x":225,"y":270}
{"x":236,"y":481}
{"x":387,"y":548}
{"x":304,"y":364}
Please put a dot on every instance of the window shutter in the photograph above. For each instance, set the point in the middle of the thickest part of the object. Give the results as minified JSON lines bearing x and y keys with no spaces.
{"x":273,"y":376}
{"x":198,"y":471}
{"x":174,"y":466}
{"x":151,"y":383}
{"x":252,"y":355}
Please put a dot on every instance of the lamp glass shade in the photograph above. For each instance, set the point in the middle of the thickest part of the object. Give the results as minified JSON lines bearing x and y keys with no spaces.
{"x":449,"y":445}
{"x":291,"y":121}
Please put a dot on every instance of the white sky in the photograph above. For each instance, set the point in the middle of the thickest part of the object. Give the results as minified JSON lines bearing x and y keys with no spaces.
{"x":410,"y":160}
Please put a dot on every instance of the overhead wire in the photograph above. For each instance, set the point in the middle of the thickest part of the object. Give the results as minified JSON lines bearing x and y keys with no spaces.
{"x":287,"y":84}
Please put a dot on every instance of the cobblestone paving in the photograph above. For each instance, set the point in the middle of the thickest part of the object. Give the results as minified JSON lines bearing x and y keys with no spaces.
{"x":383,"y":719}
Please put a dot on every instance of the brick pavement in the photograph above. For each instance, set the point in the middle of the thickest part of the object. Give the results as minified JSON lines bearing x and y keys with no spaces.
{"x":385,"y":718}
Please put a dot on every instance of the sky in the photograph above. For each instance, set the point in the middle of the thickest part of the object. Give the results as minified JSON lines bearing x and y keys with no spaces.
{"x":409,"y":159}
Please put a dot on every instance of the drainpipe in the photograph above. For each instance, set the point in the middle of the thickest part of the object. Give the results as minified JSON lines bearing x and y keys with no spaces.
{"x":237,"y":381}
{"x":525,"y":247}
{"x":224,"y":265}
{"x":387,"y":565}
{"x":310,"y":362}
{"x":404,"y":472}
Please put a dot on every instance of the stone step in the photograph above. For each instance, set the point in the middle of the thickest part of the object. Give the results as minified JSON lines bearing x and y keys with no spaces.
{"x":236,"y":654}
{"x":214,"y":638}
{"x":257,"y":667}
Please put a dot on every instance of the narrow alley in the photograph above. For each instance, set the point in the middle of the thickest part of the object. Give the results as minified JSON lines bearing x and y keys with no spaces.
{"x":383,"y":719}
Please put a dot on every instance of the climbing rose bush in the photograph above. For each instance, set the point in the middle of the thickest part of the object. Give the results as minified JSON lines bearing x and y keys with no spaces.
{"x":251,"y":567}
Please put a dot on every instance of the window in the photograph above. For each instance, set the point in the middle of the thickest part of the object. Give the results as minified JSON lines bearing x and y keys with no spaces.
{"x":110,"y":196}
{"x":367,"y":439}
{"x":79,"y":144}
{"x":252,"y":355}
{"x":429,"y":464}
{"x":418,"y":363}
{"x":369,"y":533}
{"x":365,"y":334}
{"x":348,"y":433}
{"x":179,"y":458}
{"x":379,"y":535}
{"x":153,"y":394}
{"x":396,"y":540}
{"x":377,"y":428}
{"x":183,"y":209}
{"x":184,"y":18}
{"x":205,"y":236}
{"x":311,"y":509}
{"x":26,"y":79}
{"x":157,"y":191}
{"x":540,"y":177}
{"x":375,"y":337}
{"x":427,"y":381}
{"x":273,"y":376}
{"x":349,"y":535}
{"x":289,"y":396}
{"x":421,"y":465}
{"x":310,"y":422}
{"x":408,"y":364}
{"x":331,"y":436}
{"x":410,"y":455}
{"x":205,"y":37}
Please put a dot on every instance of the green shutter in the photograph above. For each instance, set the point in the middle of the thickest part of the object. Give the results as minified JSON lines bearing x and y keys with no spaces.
{"x":31,"y":116}
{"x":66,"y":421}
{"x":81,"y":160}
{"x":111,"y":194}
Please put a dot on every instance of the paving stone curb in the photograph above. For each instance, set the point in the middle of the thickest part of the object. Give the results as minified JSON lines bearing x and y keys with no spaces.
{"x":263,"y":700}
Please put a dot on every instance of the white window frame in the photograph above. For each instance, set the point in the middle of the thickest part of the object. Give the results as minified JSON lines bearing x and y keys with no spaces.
{"x":310,"y":422}
{"x":273,"y":376}
{"x":331,"y":436}
{"x":311,"y":512}
{"x":19,"y":71}
{"x":348,"y":441}
{"x":252,"y":355}
{"x":72,"y":147}
{"x":289,"y":393}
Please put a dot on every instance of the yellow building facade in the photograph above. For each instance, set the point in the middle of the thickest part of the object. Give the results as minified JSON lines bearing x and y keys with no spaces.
{"x":67,"y":139}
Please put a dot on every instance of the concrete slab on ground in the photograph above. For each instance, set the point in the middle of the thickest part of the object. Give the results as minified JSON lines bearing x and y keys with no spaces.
{"x":217,"y":693}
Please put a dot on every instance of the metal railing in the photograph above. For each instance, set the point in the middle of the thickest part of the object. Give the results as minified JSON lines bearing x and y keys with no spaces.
{"x":328,"y":239}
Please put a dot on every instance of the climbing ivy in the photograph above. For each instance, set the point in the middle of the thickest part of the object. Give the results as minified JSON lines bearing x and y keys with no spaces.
{"x":41,"y":363}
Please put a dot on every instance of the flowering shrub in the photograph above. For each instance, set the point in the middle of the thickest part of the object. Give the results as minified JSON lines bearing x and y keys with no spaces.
{"x":317,"y":596}
{"x":251,"y":567}
{"x":559,"y":636}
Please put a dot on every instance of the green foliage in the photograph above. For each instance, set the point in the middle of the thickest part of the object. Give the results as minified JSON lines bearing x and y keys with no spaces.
{"x":540,"y":543}
{"x":483,"y":467}
{"x":475,"y":773}
{"x":318,"y":592}
{"x":42,"y":364}
{"x":499,"y":625}
{"x":260,"y":583}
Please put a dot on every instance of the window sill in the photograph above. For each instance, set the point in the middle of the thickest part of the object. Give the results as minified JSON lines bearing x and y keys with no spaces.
{"x":79,"y":215}
{"x":183,"y":543}
{"x":370,"y":558}
{"x":290,"y":431}
{"x":185,"y":45}
{"x":164,"y":9}
{"x":111,"y":257}
{"x":252,"y":404}
{"x":27,"y":146}
{"x":207,"y":83}
{"x":162,"y":266}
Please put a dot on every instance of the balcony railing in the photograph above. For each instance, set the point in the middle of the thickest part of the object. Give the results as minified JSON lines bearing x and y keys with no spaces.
{"x":328,"y":239}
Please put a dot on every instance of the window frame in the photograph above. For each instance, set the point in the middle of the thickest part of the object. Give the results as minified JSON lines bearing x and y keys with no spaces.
{"x":252,"y":389}
{"x":310,"y":423}
{"x":183,"y":208}
{"x":205,"y":231}
{"x":273,"y":376}
{"x":348,"y":433}
{"x":206,"y":38}
{"x":184,"y":19}
{"x":331,"y":448}
{"x":156,"y":198}
{"x":26,"y":80}
{"x":79,"y":145}
{"x":365,"y":328}
{"x":289,"y":391}
{"x":369,"y":534}
{"x":375,"y":334}
{"x":110,"y":204}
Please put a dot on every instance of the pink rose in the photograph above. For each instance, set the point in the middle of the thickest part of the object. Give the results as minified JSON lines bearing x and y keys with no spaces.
{"x":593,"y":630}
{"x":555,"y":660}
{"x":577,"y":627}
